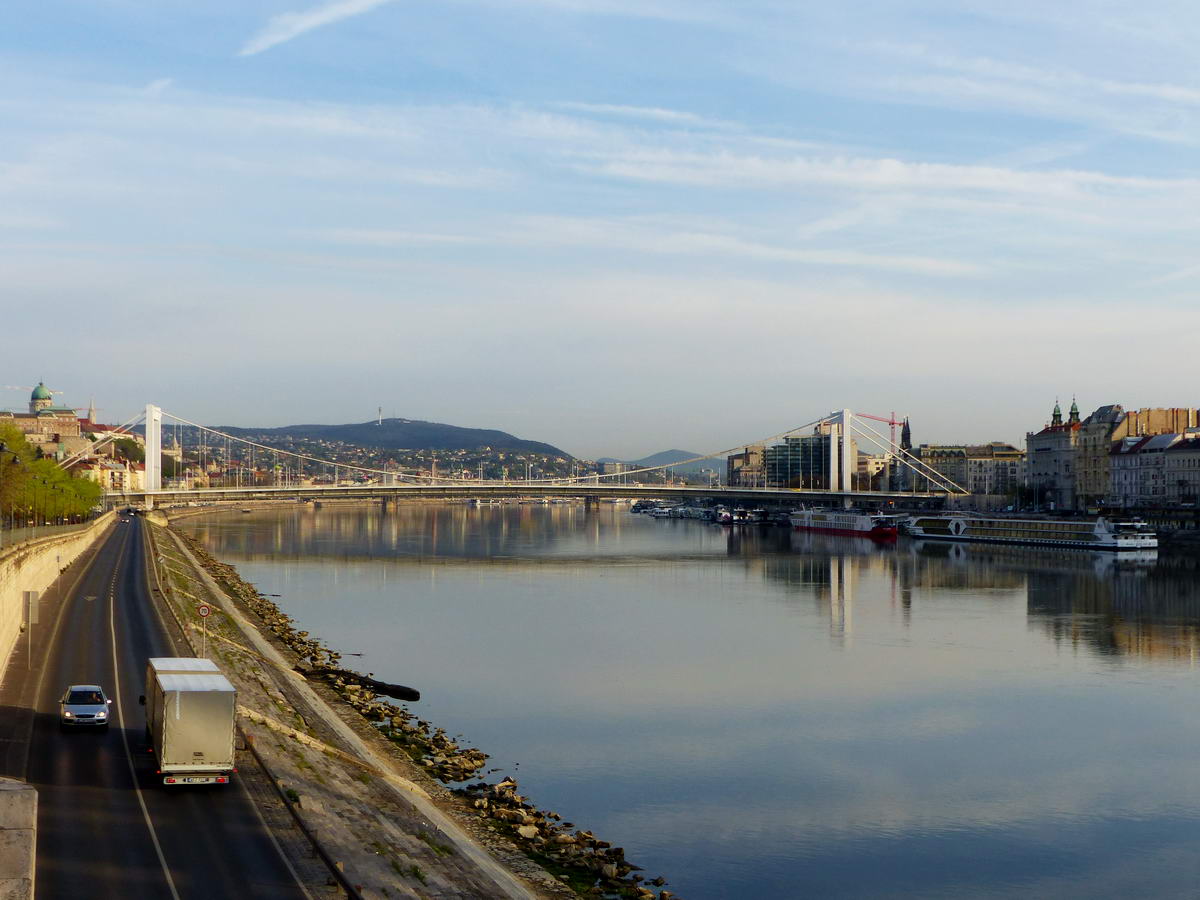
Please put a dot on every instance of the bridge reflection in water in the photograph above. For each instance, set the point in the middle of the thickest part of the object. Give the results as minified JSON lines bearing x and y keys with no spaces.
{"x":1120,"y":604}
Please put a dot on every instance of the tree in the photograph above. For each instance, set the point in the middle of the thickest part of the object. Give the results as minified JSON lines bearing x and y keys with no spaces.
{"x":33,"y":488}
{"x":129,"y":449}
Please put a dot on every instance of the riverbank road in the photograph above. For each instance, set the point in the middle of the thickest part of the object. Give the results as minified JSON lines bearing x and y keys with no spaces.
{"x":107,"y":827}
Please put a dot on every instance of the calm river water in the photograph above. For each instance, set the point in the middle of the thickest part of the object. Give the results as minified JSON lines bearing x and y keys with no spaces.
{"x":758,"y":713}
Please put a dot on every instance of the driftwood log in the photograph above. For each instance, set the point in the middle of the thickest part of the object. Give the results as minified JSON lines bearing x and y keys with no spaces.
{"x":398,"y":691}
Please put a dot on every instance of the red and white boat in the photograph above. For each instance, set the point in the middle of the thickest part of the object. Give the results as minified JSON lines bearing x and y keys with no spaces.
{"x":845,"y":521}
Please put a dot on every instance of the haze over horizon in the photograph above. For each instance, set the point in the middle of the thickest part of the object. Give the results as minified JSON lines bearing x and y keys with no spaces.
{"x":614,"y":227}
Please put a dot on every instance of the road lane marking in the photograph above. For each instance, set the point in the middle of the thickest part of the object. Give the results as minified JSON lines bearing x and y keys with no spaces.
{"x":112,"y":627}
{"x":52,"y":640}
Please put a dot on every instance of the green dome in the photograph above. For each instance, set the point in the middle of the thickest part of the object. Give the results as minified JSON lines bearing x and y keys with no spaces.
{"x":40,"y":392}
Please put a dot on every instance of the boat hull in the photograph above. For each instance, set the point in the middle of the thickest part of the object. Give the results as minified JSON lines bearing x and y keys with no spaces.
{"x":1039,"y":542}
{"x":844,"y":524}
{"x":1071,"y":533}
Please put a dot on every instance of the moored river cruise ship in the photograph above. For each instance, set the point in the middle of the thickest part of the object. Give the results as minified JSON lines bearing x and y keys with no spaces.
{"x":1088,"y":534}
{"x":844,"y":521}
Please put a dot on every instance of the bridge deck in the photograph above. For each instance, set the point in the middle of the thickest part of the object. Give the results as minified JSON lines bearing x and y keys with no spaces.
{"x":515,"y":489}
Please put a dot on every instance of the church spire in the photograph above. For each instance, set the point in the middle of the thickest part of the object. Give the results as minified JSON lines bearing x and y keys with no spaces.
{"x":1056,"y":418}
{"x":1073,"y":416}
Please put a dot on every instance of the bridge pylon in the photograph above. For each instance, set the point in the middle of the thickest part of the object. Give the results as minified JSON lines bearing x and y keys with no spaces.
{"x":153,"y":448}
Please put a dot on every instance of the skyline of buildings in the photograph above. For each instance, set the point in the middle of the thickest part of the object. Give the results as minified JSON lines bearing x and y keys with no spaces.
{"x":1112,"y":457}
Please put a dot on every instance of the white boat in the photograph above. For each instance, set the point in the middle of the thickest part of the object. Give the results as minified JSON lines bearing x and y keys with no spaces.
{"x":857,"y":523}
{"x":1087,"y":534}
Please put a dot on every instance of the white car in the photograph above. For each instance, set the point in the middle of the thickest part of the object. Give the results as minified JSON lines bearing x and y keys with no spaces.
{"x":83,"y":705}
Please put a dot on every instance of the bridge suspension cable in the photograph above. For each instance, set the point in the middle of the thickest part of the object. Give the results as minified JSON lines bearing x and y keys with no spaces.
{"x":307,"y":458}
{"x":854,"y":427}
{"x":114,"y":434}
{"x":683,"y":462}
{"x":914,"y":463}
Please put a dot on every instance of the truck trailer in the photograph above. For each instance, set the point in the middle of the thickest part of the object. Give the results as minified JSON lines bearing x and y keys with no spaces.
{"x":191,"y":712}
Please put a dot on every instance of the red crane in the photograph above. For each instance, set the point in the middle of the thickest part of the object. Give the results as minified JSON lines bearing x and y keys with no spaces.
{"x":890,"y":421}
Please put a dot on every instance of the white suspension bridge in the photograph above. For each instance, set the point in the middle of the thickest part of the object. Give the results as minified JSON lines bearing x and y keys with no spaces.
{"x":828,"y":475}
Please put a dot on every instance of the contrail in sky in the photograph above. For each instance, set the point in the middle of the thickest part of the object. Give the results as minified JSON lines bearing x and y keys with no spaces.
{"x":285,"y":26}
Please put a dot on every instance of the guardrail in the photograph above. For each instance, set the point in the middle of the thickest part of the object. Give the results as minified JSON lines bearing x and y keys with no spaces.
{"x":11,"y":537}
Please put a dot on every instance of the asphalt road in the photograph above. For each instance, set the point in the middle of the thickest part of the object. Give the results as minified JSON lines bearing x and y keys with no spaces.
{"x":107,"y":827}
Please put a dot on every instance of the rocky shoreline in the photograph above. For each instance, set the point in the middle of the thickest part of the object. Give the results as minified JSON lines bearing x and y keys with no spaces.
{"x":577,"y":858}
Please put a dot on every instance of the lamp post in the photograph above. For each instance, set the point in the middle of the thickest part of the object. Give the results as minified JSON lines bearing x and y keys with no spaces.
{"x":3,"y":450}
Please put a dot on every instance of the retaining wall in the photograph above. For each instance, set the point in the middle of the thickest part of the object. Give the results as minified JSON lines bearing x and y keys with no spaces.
{"x":18,"y":839}
{"x":33,"y":566}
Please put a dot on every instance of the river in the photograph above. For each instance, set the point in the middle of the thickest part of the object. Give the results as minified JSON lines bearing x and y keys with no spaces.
{"x":757,"y":713}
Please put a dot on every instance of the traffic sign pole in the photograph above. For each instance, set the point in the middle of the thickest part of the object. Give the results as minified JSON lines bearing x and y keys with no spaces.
{"x":204,"y":611}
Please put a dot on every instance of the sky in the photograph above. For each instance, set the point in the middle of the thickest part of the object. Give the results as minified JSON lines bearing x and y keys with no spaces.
{"x":616,"y":226}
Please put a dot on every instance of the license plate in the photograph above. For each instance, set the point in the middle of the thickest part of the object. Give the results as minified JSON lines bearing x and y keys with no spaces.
{"x":198,"y":779}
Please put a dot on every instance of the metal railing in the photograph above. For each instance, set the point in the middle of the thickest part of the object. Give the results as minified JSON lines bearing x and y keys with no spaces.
{"x":11,"y":537}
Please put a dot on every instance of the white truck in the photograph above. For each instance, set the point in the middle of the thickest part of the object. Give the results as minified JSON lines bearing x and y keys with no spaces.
{"x":191,"y":711}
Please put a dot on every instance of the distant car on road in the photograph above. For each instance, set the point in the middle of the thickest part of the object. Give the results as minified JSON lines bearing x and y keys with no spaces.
{"x":83,"y":705}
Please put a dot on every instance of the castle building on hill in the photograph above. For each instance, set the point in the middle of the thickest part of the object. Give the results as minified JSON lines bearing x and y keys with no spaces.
{"x":54,"y":429}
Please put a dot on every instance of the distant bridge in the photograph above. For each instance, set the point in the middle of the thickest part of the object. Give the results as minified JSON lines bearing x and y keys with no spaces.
{"x":520,"y":489}
{"x":830,"y":472}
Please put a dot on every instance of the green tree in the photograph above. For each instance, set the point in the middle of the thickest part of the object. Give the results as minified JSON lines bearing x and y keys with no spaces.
{"x":15,"y":457}
{"x":36,"y":489}
{"x":128,"y":448}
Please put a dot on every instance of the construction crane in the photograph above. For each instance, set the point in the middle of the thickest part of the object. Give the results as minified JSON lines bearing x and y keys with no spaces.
{"x":892,"y":421}
{"x":25,"y":387}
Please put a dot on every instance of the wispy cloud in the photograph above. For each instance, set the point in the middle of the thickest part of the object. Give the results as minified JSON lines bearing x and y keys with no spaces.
{"x":1157,"y":110}
{"x":652,"y":113}
{"x":27,"y":222}
{"x":649,"y":236}
{"x":157,"y":87}
{"x":384,"y":238}
{"x":288,"y":25}
{"x":733,"y":169}
{"x":667,"y":238}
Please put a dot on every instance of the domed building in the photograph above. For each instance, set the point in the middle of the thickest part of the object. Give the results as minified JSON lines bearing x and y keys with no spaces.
{"x":55,"y":429}
{"x":40,"y":399}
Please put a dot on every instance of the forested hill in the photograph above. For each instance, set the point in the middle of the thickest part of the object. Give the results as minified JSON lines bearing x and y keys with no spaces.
{"x":403,"y":434}
{"x":668,"y":457}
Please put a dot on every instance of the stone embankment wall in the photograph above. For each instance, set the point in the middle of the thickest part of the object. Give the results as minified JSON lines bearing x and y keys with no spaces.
{"x":18,"y":839}
{"x":33,"y":566}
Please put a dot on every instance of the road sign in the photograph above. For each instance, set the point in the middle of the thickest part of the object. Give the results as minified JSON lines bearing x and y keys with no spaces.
{"x":31,"y":607}
{"x":204,"y":610}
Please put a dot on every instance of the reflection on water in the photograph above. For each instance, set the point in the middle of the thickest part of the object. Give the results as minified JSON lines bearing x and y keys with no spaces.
{"x":809,"y":715}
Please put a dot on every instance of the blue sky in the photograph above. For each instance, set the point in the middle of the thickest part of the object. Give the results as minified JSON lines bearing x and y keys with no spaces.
{"x":615,"y":226}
